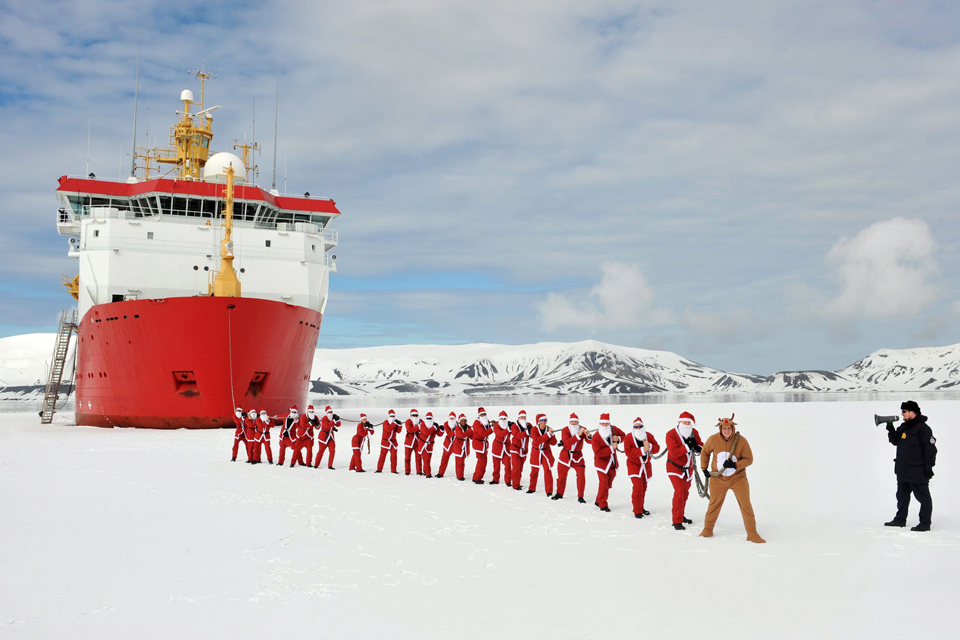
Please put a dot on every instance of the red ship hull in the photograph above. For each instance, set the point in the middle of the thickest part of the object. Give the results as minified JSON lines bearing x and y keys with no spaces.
{"x":187,"y":362}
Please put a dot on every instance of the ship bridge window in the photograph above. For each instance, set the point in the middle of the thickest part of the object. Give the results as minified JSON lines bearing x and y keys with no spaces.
{"x":164,"y":203}
{"x":209,"y":208}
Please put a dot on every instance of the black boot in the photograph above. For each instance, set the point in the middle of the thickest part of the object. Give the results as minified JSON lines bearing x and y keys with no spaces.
{"x":687,"y":521}
{"x":378,"y":471}
{"x":581,"y":501}
{"x":605,"y":509}
{"x":557,"y":497}
{"x":921,"y":527}
{"x":679,"y":527}
{"x":645,"y":512}
{"x":531,"y":491}
{"x":895,"y":523}
{"x":638,"y":515}
{"x":233,"y":460}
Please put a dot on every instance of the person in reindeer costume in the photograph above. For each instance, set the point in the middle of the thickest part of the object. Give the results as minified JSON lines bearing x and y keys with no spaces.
{"x":727,"y":472}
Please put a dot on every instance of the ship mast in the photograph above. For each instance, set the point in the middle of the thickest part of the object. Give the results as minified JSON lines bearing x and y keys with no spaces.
{"x":226,"y":284}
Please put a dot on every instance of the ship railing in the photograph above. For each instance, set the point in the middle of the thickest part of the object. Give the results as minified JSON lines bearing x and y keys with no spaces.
{"x":330,"y":238}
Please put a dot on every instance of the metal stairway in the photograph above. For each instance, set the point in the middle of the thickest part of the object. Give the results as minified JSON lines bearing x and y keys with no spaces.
{"x":68,"y":326}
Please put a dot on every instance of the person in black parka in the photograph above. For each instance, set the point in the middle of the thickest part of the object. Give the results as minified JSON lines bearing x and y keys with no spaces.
{"x":916,"y":456}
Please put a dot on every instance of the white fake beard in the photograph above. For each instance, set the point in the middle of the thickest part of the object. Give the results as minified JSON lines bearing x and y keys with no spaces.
{"x":685,"y":430}
{"x":574,"y":429}
{"x":264,"y":417}
{"x":294,"y":414}
{"x":451,"y":425}
{"x":605,"y":433}
{"x":522,"y":423}
{"x":252,"y":416}
{"x":239,"y":414}
{"x":640,"y":434}
{"x":502,"y":422}
{"x":484,"y":421}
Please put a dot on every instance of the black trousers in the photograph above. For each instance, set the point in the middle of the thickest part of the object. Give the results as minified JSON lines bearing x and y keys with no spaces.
{"x":921,"y":490}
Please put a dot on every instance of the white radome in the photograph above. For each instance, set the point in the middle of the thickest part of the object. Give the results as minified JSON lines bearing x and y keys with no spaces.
{"x":216,"y":168}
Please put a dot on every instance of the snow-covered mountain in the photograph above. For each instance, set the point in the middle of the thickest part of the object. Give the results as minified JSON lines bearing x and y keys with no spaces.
{"x":552,"y":368}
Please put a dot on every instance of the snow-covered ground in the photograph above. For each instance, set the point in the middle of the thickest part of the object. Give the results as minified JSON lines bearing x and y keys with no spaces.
{"x":144,"y":534}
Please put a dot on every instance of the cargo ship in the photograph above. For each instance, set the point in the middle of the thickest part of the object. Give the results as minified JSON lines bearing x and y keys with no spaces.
{"x":197,"y":291}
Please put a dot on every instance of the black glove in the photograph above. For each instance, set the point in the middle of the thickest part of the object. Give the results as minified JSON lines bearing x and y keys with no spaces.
{"x":697,"y":449}
{"x":890,"y":427}
{"x":336,"y":417}
{"x":706,"y":473}
{"x":729,"y":464}
{"x":928,"y":471}
{"x":690,"y":442}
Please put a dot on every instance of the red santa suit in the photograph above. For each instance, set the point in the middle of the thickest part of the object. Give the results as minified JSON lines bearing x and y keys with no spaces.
{"x":388,"y":441}
{"x":238,"y":434}
{"x":428,"y":435}
{"x":265,"y":424}
{"x":605,"y":458}
{"x":571,"y":458}
{"x":481,"y":447}
{"x":500,"y":450}
{"x":411,"y":429}
{"x":683,"y":443}
{"x":287,"y":434}
{"x":639,"y":466}
{"x":250,"y":435}
{"x":541,"y":455}
{"x":448,"y":428}
{"x":326,"y":441}
{"x":364,"y":430}
{"x":519,"y":447}
{"x":462,"y":434}
{"x":304,"y":441}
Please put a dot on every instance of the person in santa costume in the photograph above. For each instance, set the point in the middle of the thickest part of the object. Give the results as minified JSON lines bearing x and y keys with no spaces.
{"x":364,"y":431}
{"x":541,"y":456}
{"x":412,"y":428}
{"x":638,"y":447}
{"x":448,"y":431}
{"x":238,"y":436}
{"x":500,"y":450}
{"x":303,"y":443}
{"x":329,"y":425}
{"x":728,"y":472}
{"x":683,"y":443}
{"x":250,"y":435}
{"x":462,"y":434}
{"x":428,"y":434}
{"x":388,"y":441}
{"x":481,"y":445}
{"x":604,"y":442}
{"x":265,"y":424}
{"x":572,"y":438}
{"x":287,"y":434}
{"x":519,"y":447}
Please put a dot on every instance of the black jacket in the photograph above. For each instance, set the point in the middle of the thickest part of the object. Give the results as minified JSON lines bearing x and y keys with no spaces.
{"x":916,"y":450}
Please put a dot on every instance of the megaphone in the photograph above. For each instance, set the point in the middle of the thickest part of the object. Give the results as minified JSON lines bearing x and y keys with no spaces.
{"x":879,"y":420}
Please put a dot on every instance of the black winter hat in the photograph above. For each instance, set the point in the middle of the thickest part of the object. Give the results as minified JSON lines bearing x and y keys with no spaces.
{"x":910,"y":405}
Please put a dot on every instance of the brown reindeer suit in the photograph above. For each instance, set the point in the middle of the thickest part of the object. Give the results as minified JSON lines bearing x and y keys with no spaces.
{"x":728,"y":478}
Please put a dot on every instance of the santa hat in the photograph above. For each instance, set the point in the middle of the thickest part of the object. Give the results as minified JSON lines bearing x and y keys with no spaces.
{"x":574,"y":416}
{"x":638,"y":422}
{"x":391,"y":412}
{"x":453,"y":414}
{"x":327,"y":409}
{"x":604,"y":417}
{"x":293,"y":409}
{"x":263,"y":410}
{"x":362,"y":416}
{"x":414,"y":412}
{"x":686,"y":415}
{"x":481,"y":411}
{"x":461,"y":417}
{"x":541,"y":416}
{"x":522,"y":414}
{"x":429,"y":415}
{"x":503,"y":414}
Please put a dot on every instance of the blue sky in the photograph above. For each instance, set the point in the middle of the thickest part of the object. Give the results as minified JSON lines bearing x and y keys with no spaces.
{"x":760,"y":186}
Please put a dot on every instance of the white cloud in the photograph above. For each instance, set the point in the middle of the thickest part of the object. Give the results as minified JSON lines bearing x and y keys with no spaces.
{"x":620,"y":300}
{"x":888,"y":270}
